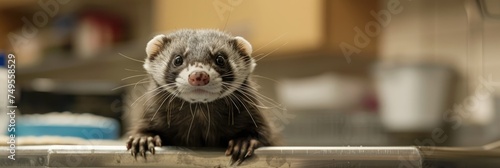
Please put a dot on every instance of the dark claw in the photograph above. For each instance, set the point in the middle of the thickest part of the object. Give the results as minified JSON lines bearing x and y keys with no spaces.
{"x":254,"y":144}
{"x":157,"y":140}
{"x":129,"y":142}
{"x":152,"y":150}
{"x":142,"y":144}
{"x":241,"y":149}
{"x":236,"y":151}
{"x":239,"y":162}
{"x":151,"y":145}
{"x":229,"y":149}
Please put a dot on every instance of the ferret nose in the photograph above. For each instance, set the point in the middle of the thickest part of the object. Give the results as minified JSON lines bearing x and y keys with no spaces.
{"x":199,"y":78}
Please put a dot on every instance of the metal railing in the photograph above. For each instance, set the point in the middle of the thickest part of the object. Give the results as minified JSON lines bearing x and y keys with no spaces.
{"x":117,"y":156}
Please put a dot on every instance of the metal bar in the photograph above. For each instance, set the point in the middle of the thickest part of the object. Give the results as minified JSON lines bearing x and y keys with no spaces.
{"x":117,"y":156}
{"x":459,"y":156}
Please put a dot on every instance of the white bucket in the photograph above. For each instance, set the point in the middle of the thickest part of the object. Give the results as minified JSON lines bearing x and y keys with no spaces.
{"x":412,"y":97}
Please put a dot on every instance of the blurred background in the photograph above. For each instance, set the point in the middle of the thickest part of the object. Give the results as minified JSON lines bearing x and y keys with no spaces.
{"x":348,"y":72}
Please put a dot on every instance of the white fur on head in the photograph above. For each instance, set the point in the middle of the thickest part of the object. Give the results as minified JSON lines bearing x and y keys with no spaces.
{"x":247,"y":48}
{"x":211,"y":91}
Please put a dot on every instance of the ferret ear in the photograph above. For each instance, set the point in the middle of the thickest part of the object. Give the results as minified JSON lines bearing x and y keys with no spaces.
{"x":244,"y":48}
{"x":155,"y":45}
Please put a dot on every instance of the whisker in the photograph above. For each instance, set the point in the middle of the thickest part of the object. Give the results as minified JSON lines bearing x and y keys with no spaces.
{"x":271,"y":79}
{"x":250,"y":97}
{"x":133,"y":76}
{"x":158,"y":108}
{"x":234,"y":86}
{"x":176,"y":94}
{"x":155,"y":94}
{"x":140,"y":97}
{"x":133,"y":59}
{"x":231,"y":112}
{"x":146,"y":93}
{"x":199,"y":111}
{"x":272,"y":41}
{"x":208,"y":129}
{"x":123,"y":86}
{"x":190,"y":125}
{"x":258,"y":55}
{"x":237,"y":109}
{"x":257,"y":96}
{"x":248,"y":111}
{"x":133,"y":70}
{"x":169,"y":112}
{"x":151,"y":105}
{"x":250,"y":101}
{"x":261,"y":96}
{"x":135,"y":86}
{"x":277,"y":48}
{"x":169,"y":96}
{"x":182,"y":104}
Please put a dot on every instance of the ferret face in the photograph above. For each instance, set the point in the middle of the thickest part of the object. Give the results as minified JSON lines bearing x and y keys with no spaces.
{"x":199,"y":65}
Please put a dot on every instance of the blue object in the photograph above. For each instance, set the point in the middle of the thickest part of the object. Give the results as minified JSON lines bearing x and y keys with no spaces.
{"x":69,"y":125}
{"x":67,"y":131}
{"x":2,"y":59}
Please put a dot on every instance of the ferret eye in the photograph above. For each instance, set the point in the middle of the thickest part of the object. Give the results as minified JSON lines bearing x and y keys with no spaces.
{"x":178,"y":60}
{"x":220,"y":61}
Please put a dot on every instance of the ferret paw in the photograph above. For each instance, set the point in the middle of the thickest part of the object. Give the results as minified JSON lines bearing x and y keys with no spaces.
{"x":241,"y":149}
{"x":142,"y":144}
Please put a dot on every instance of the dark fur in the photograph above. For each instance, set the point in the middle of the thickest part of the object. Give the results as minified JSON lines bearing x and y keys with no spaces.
{"x":222,"y":128}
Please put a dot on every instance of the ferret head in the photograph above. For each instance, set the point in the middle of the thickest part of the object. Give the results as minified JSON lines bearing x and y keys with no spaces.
{"x":199,"y":65}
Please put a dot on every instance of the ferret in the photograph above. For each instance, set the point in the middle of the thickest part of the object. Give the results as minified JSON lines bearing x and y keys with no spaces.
{"x":200,"y":94}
